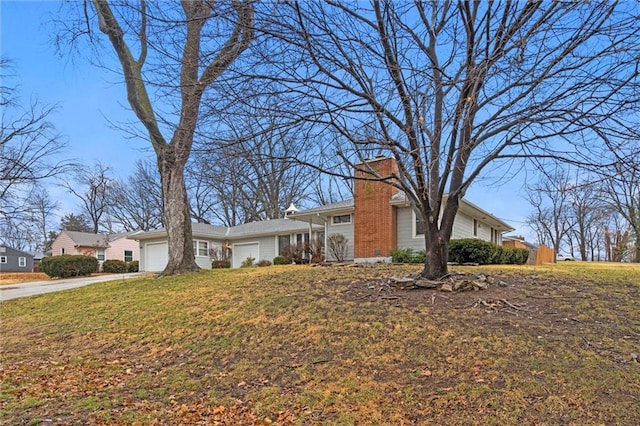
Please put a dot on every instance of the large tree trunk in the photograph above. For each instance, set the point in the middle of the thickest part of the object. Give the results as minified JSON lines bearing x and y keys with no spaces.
{"x":198,"y":71}
{"x":437,"y":233}
{"x":176,"y":214}
{"x":435,"y":264}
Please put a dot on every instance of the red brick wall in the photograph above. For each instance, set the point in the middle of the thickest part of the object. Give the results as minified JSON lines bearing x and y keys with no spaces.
{"x":374,"y":219}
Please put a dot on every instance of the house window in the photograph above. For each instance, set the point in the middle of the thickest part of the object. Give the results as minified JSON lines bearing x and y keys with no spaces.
{"x":338,"y":220}
{"x":302,"y":238}
{"x":283,"y":241}
{"x":128,"y":255}
{"x":3,"y":259}
{"x":22,"y":262}
{"x":475,"y":227}
{"x":100,"y":254}
{"x":201,"y":248}
{"x":419,"y":224}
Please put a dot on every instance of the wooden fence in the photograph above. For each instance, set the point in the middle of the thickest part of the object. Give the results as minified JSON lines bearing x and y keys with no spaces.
{"x":537,"y":255}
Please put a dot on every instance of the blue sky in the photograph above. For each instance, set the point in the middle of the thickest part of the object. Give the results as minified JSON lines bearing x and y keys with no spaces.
{"x":87,"y":98}
{"x":85,"y":95}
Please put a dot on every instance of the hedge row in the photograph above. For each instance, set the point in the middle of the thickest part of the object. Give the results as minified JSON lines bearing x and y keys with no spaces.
{"x":118,"y":266}
{"x":468,"y":250}
{"x":68,"y":265}
{"x":472,"y":250}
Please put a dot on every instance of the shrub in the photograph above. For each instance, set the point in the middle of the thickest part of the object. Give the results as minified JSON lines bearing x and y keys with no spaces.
{"x":219,"y":253}
{"x":477,"y":251}
{"x":521,"y":256}
{"x":420,"y":257}
{"x":471,"y":250}
{"x":295,"y":253}
{"x":500,"y":255}
{"x":220,"y":264}
{"x":315,"y":249}
{"x":263,"y":262}
{"x":248,"y":262}
{"x":68,"y":266}
{"x":133,"y":266}
{"x":281,"y":260}
{"x":408,"y":255}
{"x":114,"y":266}
{"x":338,"y":246}
{"x":401,"y":255}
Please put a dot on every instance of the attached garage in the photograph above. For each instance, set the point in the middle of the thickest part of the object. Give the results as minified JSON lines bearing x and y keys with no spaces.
{"x":156,"y":256}
{"x":243,"y":250}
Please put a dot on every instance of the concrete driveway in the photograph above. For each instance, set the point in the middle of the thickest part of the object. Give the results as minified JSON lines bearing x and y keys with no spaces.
{"x":14,"y":291}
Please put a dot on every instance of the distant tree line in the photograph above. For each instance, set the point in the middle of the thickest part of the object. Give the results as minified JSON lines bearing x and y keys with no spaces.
{"x":592,"y":216}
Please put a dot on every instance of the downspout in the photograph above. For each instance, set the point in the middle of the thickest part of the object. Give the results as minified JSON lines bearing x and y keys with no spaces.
{"x":326,"y":237}
{"x":310,"y":238}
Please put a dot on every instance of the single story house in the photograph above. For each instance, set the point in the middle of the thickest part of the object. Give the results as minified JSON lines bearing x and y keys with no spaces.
{"x":101,"y":246}
{"x":13,"y":260}
{"x":376,"y":221}
{"x":262,"y":240}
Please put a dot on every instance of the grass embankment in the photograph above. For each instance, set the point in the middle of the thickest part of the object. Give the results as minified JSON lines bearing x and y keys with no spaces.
{"x":299,"y":345}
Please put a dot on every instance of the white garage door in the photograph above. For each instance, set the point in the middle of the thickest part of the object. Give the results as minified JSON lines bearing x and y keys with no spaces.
{"x":242,"y":251}
{"x":156,"y":257}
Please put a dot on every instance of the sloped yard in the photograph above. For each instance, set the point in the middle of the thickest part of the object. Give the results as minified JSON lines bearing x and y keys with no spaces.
{"x":342,"y":345}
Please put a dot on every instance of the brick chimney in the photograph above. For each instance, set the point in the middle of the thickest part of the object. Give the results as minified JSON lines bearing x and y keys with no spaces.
{"x":374,"y":222}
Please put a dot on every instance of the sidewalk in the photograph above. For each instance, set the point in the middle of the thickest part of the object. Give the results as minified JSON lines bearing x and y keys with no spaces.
{"x":14,"y":291}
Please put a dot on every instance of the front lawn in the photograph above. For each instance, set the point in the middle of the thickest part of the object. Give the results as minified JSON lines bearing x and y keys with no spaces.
{"x":297,"y":345}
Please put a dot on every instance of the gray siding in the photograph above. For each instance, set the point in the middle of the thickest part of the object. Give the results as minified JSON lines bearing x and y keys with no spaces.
{"x":205,"y":261}
{"x":462,"y":228}
{"x":12,"y":260}
{"x":406,"y":237}
{"x":267,"y":246}
{"x":345,"y":229}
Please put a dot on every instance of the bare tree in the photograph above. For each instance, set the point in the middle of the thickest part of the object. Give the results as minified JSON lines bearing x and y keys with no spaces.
{"x":622,"y":189}
{"x":16,"y":234}
{"x":550,"y":198}
{"x":588,"y":213}
{"x":179,"y":53}
{"x":29,"y":148}
{"x":136,"y":202}
{"x":449,"y":88}
{"x":249,"y":172}
{"x":92,"y":187}
{"x":42,"y":208}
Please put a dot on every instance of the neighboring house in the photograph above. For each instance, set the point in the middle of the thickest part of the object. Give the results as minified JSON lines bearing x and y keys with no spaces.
{"x":101,"y":246}
{"x":12,"y":260}
{"x":376,"y":221}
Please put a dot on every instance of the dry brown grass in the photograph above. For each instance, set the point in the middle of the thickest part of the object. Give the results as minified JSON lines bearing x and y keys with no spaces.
{"x":298,"y":345}
{"x":21,"y":277}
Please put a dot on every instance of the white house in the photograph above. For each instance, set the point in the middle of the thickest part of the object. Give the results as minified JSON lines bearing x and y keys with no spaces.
{"x":377,"y":220}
